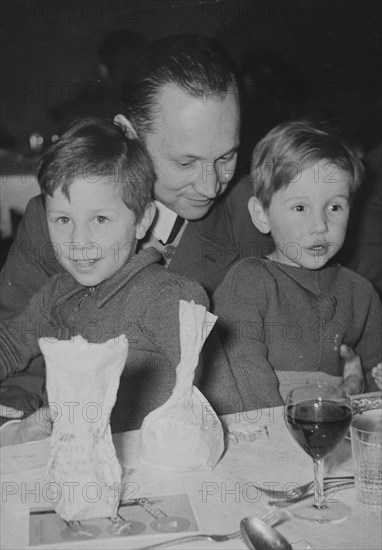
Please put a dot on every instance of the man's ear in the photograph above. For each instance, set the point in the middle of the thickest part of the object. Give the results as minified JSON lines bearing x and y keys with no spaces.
{"x":258,"y":215}
{"x":147,"y":219}
{"x":124,"y":123}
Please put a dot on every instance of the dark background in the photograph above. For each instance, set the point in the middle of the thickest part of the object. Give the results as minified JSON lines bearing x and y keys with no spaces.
{"x":332,"y":48}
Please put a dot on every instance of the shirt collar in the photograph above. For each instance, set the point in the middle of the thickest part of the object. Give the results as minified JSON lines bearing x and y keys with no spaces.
{"x":164,"y":222}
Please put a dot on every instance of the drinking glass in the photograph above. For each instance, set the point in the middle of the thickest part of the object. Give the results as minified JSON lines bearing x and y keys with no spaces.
{"x":318,"y":417}
{"x":366,"y":442}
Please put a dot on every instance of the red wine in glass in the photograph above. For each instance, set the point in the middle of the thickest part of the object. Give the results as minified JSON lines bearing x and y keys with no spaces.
{"x":318,"y":417}
{"x":318,"y":426}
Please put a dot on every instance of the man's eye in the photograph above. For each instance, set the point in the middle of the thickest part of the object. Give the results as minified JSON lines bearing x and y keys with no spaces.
{"x":63,"y":220}
{"x":299,"y":208}
{"x":186,"y":163}
{"x":101,"y":219}
{"x":335,"y":207}
{"x":229,"y":157}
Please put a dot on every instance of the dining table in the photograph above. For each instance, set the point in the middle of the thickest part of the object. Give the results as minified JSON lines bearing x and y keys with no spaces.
{"x":259,"y":453}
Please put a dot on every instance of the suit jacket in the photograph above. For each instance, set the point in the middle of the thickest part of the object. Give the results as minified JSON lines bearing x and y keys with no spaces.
{"x":226,"y":234}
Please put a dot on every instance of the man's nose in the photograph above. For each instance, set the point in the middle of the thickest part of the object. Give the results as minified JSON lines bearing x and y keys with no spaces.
{"x":209,"y":183}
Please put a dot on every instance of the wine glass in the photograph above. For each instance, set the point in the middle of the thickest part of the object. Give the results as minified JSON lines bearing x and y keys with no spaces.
{"x":318,"y":416}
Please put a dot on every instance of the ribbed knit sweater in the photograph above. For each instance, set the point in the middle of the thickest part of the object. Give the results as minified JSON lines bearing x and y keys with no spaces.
{"x":141,"y":301}
{"x":279,"y":318}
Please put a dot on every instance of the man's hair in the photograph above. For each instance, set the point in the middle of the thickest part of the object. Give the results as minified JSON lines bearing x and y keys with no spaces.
{"x":96,"y":149}
{"x":292,"y":147}
{"x":197,"y":65}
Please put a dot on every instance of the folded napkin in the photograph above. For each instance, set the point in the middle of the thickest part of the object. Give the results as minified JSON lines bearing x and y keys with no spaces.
{"x":185,"y":433}
{"x":83,"y":473}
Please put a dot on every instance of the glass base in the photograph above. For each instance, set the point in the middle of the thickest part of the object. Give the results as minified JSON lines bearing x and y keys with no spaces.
{"x":331,"y":513}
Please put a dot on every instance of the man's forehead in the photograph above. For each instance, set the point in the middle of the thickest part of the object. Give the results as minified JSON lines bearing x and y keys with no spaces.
{"x":174,"y":99}
{"x":182,"y":119}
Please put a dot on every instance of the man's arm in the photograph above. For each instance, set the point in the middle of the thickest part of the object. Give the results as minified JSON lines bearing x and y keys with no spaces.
{"x":369,"y":348}
{"x":31,"y":261}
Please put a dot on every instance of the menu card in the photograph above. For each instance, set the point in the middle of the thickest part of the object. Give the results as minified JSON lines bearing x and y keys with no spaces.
{"x":140,"y":516}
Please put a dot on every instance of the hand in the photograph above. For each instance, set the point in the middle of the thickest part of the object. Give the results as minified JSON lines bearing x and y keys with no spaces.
{"x":376,"y":373}
{"x":16,"y":402}
{"x":36,"y":426}
{"x":353,"y":377}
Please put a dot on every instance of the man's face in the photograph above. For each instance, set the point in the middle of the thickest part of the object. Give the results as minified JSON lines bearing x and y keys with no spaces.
{"x":194,"y":146}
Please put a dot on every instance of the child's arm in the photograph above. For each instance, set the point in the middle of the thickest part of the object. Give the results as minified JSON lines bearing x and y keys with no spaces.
{"x":376,"y":373}
{"x":240,"y":304}
{"x":36,"y":426}
{"x":353,"y":377}
{"x":19,"y":336}
{"x":161,"y":317}
{"x":17,"y":346}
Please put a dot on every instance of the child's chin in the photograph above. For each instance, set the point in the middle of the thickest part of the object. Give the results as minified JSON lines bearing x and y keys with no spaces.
{"x":88,"y":279}
{"x":85,"y":281}
{"x":315,"y":263}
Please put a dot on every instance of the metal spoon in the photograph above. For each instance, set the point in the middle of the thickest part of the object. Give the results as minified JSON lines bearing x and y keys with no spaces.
{"x":273,"y":517}
{"x":257,"y":535}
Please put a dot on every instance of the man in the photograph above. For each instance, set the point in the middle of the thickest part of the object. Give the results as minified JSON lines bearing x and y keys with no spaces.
{"x":186,"y":109}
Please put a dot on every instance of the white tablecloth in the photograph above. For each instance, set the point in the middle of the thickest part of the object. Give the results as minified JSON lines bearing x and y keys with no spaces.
{"x":220,"y":498}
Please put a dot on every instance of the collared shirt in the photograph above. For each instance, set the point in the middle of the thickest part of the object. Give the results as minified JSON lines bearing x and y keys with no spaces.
{"x":164,"y":222}
{"x":160,"y":232}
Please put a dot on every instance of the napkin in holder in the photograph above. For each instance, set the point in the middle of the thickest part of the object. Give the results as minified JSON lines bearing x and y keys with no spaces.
{"x":184,"y":434}
{"x":83,"y":473}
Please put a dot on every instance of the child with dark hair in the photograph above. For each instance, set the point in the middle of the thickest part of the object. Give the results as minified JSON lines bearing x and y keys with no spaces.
{"x":97,"y":188}
{"x":294,"y":316}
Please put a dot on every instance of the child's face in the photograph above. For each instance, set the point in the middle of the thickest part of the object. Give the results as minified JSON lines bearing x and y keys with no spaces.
{"x":93,"y":232}
{"x":308,"y":218}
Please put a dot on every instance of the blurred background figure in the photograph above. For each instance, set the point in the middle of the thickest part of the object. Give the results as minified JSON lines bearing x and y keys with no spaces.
{"x":272,"y":93}
{"x":362,"y":250}
{"x":120,"y":58}
{"x":7,"y":141}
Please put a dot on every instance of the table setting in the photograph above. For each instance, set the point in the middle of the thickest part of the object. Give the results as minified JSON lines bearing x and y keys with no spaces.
{"x":189,"y":479}
{"x":260,"y":456}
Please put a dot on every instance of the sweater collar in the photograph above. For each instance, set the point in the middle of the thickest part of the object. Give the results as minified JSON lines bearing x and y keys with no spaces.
{"x":107,"y":289}
{"x":318,"y":281}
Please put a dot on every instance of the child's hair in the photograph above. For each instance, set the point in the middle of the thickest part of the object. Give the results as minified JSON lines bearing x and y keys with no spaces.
{"x":94,"y":148}
{"x":292,"y":147}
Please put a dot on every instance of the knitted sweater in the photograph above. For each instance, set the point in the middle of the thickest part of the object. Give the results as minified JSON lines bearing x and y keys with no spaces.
{"x":141,"y":301}
{"x":279,"y":318}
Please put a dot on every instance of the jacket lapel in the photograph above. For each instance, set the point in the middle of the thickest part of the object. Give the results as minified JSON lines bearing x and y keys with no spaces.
{"x":207,"y":248}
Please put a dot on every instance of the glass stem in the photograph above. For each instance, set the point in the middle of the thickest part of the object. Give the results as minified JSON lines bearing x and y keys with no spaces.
{"x":319,"y":484}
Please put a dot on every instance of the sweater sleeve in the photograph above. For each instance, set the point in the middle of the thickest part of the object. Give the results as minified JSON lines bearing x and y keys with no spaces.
{"x":30,"y":262}
{"x":161,"y":317}
{"x":240,"y":303}
{"x":19,"y":336}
